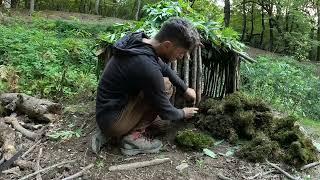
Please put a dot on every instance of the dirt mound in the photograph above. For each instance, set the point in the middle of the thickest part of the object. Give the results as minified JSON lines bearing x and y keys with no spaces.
{"x":240,"y":117}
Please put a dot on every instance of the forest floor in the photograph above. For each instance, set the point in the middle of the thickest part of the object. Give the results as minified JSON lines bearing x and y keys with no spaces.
{"x":200,"y":166}
{"x":82,"y":116}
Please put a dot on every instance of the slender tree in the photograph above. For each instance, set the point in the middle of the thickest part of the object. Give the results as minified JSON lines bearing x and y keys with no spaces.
{"x":227,"y":13}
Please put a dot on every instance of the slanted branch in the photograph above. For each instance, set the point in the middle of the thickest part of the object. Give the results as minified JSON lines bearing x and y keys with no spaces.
{"x":16,"y":125}
{"x":39,"y":109}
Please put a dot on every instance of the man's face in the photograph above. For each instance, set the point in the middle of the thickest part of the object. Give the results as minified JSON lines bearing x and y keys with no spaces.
{"x":171,"y":52}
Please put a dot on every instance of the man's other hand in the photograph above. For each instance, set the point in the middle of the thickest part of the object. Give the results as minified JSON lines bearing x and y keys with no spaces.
{"x":190,"y":95}
{"x":190,"y":112}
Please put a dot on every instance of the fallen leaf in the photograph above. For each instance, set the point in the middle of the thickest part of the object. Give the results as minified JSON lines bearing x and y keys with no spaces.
{"x":209,"y":153}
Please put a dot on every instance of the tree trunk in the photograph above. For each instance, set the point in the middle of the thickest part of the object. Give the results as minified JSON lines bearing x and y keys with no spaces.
{"x":252,"y":22}
{"x":244,"y":20}
{"x":226,"y":13}
{"x":263,"y":28}
{"x":31,"y":7}
{"x":318,"y":32}
{"x":97,"y":6}
{"x":138,"y":10}
{"x":14,"y":3}
{"x":271,"y":32}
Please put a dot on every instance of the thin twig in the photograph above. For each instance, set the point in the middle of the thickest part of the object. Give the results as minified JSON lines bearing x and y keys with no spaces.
{"x":2,"y":160}
{"x":221,"y":176}
{"x":46,"y":169}
{"x":38,"y":164}
{"x":80,"y":173}
{"x":281,"y":170}
{"x":310,"y":165}
{"x":30,"y":149}
{"x":138,"y":164}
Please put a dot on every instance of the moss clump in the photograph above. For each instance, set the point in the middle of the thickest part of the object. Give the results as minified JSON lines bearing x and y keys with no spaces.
{"x":214,"y":123}
{"x":255,"y":105}
{"x":259,"y":149}
{"x":244,"y":124}
{"x":232,"y":103}
{"x":207,"y":104}
{"x":263,"y":120}
{"x":301,"y":152}
{"x":238,"y":116}
{"x":191,"y":139}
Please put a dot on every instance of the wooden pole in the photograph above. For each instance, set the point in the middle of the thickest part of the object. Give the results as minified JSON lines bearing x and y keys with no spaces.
{"x":194,"y":70}
{"x":199,"y":77}
{"x":186,"y":61}
{"x":174,"y":66}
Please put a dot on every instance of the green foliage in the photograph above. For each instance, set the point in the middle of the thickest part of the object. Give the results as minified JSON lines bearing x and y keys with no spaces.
{"x":294,"y":25}
{"x":52,"y":58}
{"x":194,"y":140}
{"x":155,"y":14}
{"x":287,"y":85}
{"x":64,"y":135}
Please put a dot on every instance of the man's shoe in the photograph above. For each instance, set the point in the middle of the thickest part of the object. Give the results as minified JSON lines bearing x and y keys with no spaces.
{"x":137,"y":143}
{"x":98,"y":140}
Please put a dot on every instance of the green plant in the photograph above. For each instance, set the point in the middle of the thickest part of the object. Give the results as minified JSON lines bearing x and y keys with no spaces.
{"x":49,"y":63}
{"x":63,"y":135}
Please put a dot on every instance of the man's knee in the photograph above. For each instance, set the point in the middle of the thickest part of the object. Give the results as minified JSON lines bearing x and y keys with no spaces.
{"x":168,"y":86}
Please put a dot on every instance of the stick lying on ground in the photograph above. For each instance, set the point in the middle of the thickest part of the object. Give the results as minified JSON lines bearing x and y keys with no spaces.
{"x":30,"y":149}
{"x":45,"y":169}
{"x":38,"y":177}
{"x":80,"y":173}
{"x":135,"y":165}
{"x":310,"y":165}
{"x":281,"y":170}
{"x":221,"y":176}
{"x":15,"y":124}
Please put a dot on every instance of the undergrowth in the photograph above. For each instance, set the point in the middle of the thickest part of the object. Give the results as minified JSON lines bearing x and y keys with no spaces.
{"x":286,"y":84}
{"x":48,"y":58}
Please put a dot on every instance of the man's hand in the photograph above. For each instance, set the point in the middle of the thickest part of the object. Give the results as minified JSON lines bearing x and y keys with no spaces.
{"x":190,"y":112}
{"x":190,"y":95}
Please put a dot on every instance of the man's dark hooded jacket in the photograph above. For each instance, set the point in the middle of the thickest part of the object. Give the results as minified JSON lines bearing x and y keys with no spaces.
{"x":135,"y":67}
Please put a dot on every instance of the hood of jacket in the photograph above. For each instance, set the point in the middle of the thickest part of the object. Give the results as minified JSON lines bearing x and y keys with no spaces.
{"x":132,"y":44}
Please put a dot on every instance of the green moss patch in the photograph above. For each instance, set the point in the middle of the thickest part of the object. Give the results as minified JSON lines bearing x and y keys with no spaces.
{"x":191,"y":139}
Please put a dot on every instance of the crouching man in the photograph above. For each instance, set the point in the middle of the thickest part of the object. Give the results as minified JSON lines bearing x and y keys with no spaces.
{"x":136,"y":85}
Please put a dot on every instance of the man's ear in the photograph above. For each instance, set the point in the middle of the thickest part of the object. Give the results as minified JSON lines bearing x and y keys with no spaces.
{"x":167,"y":44}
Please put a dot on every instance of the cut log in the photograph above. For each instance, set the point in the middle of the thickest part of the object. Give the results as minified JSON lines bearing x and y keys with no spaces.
{"x":15,"y":124}
{"x":7,"y":139}
{"x":39,"y":109}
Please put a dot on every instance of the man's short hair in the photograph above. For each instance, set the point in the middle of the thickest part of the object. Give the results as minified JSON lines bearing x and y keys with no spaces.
{"x":180,"y":31}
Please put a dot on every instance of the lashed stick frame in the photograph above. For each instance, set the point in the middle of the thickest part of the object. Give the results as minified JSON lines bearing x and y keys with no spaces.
{"x":212,"y":71}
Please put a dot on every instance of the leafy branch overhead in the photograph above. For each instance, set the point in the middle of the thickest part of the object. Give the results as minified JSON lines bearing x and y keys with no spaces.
{"x":155,"y":14}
